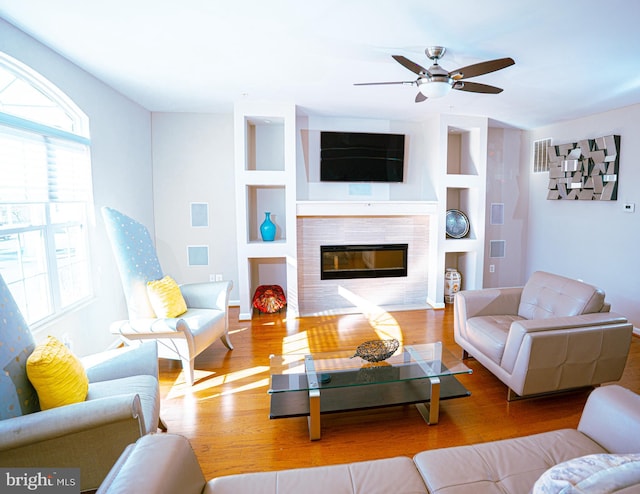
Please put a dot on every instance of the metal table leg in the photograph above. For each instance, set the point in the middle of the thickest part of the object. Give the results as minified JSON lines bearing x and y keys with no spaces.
{"x":314,"y":399}
{"x":314,"y":414}
{"x":431,"y":411}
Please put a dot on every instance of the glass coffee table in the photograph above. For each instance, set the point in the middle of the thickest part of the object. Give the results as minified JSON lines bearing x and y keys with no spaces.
{"x":314,"y":384}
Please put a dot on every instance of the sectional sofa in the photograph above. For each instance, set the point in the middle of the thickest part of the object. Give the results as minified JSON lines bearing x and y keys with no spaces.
{"x":604,"y":451}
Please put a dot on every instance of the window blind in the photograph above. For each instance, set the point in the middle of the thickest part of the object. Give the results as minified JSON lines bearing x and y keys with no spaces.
{"x":39,"y":169}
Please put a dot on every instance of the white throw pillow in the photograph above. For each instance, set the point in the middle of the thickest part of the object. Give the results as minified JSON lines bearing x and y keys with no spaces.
{"x":591,"y":474}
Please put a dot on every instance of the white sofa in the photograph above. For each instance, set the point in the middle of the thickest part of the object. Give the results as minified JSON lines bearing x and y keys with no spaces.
{"x":553,"y":334}
{"x":609,"y":428}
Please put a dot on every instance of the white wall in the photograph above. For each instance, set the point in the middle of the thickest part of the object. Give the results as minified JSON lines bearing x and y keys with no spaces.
{"x":193,"y":162}
{"x":507,"y":184}
{"x":415,"y":187}
{"x":593,"y":241}
{"x":122,"y":172}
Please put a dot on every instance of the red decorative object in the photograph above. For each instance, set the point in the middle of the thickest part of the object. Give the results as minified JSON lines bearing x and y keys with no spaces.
{"x":269,"y":298}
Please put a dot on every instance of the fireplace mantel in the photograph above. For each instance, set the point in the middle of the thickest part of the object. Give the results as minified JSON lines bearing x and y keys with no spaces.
{"x":366,"y":208}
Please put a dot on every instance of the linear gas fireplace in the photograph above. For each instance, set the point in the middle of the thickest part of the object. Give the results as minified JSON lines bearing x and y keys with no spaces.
{"x":363,"y":261}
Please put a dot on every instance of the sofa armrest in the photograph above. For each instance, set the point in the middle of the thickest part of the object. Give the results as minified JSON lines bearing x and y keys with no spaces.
{"x":78,"y":418}
{"x":611,"y":417}
{"x":149,"y":328}
{"x":122,"y":362}
{"x":519,"y":329}
{"x":212,"y":295}
{"x":155,"y":463}
{"x":92,"y":435}
{"x":488,"y":302}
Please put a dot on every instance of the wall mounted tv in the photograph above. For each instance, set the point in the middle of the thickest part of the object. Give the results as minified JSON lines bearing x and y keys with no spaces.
{"x":361,"y":157}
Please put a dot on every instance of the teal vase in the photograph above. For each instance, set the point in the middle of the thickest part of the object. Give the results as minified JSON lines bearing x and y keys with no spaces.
{"x":268,"y":228}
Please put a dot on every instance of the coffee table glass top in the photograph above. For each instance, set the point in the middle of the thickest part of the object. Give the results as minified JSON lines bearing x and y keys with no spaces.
{"x":327,"y":370}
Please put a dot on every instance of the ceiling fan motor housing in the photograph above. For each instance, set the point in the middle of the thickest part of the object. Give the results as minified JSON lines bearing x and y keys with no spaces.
{"x":435,"y":52}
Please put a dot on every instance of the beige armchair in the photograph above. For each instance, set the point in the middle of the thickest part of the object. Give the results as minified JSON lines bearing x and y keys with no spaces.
{"x":553,"y":334}
{"x":122,"y":405}
{"x":179,"y":338}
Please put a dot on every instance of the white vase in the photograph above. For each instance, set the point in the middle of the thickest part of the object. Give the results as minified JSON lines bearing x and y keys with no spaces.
{"x":452,"y":284}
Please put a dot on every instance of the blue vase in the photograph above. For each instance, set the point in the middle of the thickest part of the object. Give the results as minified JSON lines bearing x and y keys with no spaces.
{"x":268,"y":228}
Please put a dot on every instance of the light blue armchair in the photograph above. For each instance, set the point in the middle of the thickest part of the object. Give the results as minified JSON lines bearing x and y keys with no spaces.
{"x":182,"y":338}
{"x":122,"y":404}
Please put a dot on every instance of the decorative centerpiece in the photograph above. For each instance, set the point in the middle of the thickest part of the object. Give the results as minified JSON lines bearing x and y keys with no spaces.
{"x":376,"y":350}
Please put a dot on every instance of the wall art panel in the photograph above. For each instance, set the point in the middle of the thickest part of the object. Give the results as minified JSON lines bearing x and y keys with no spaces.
{"x":585,"y":170}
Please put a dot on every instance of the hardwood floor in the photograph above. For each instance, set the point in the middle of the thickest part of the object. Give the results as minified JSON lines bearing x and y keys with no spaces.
{"x":225,"y":413}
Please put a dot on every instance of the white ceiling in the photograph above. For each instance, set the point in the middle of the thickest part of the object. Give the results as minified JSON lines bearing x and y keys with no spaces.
{"x":573,"y":57}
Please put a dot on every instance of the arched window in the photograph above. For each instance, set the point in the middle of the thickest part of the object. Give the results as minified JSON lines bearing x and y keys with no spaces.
{"x":45,"y":194}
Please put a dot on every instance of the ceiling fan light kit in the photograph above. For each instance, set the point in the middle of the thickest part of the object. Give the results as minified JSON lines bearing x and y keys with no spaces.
{"x":436,"y":82}
{"x":436,"y":88}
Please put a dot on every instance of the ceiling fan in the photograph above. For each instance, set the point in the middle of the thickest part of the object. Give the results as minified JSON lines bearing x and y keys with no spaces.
{"x":436,"y":82}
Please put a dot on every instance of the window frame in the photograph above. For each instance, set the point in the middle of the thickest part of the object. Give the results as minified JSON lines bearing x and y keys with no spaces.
{"x":63,"y":150}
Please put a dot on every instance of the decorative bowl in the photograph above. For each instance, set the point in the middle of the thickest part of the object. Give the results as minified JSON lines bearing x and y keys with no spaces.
{"x":376,"y":350}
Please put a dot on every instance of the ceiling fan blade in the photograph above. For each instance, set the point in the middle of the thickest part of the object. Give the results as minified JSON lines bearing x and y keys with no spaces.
{"x":476,"y":87}
{"x":481,"y":68}
{"x":408,"y":64}
{"x":405,"y":83}
{"x":420,"y":97}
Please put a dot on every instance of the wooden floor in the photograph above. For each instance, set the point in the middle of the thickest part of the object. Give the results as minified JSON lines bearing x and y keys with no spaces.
{"x":225,"y":413}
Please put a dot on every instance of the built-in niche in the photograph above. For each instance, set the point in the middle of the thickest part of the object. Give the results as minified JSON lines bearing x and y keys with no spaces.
{"x":586,"y":170}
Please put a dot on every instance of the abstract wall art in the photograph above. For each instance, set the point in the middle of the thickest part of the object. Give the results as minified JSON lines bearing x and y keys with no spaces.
{"x":585,"y":170}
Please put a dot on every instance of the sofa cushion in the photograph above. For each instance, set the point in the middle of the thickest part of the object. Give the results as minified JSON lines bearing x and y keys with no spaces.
{"x":506,"y":466}
{"x":489,"y":334}
{"x":550,"y":295}
{"x":394,"y":475}
{"x":17,"y":394}
{"x":601,"y":474}
{"x":201,"y":321}
{"x":57,"y":374}
{"x":146,"y":387}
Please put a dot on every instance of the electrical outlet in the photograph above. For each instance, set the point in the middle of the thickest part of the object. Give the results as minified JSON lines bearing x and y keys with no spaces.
{"x":66,"y":341}
{"x":629,"y":207}
{"x":492,"y":268}
{"x":218,"y":277}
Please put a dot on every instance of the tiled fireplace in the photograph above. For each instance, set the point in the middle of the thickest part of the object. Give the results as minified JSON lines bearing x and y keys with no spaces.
{"x":317,"y":295}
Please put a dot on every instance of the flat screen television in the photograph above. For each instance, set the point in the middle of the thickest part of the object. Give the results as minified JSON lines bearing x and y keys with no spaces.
{"x":361,"y":157}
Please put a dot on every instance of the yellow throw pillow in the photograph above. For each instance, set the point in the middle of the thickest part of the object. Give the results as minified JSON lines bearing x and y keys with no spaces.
{"x":57,"y":375}
{"x":166,"y":298}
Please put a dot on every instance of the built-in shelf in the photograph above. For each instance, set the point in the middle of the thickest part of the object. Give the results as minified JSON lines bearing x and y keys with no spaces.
{"x":462,"y":147}
{"x":460,"y":183}
{"x":263,"y":177}
{"x":464,"y":187}
{"x":265,"y":154}
{"x":262,"y":199}
{"x":264,"y":143}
